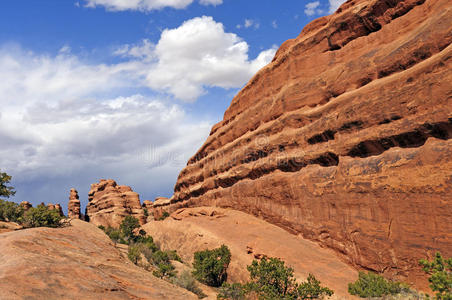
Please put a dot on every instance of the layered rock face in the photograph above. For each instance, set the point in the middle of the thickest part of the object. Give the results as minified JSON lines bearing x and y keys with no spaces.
{"x":74,"y":205}
{"x":345,"y":137}
{"x":110,"y":203}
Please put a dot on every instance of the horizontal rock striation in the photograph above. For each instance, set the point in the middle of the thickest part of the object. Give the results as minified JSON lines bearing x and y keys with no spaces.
{"x":345,"y":137}
{"x":110,"y":203}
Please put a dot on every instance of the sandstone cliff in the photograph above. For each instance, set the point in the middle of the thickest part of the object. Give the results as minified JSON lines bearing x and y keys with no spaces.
{"x":345,"y":137}
{"x":73,"y":206}
{"x":110,"y":203}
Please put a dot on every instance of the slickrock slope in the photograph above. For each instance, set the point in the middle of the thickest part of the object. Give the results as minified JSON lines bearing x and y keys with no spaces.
{"x":194,"y":229}
{"x":76,"y":262}
{"x":73,"y":206}
{"x":345,"y":137}
{"x":110,"y":203}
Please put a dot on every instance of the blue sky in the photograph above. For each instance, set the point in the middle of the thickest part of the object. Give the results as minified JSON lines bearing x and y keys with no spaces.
{"x":126,"y":89}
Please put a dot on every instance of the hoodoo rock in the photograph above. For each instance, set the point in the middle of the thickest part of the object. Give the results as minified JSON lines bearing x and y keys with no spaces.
{"x":110,"y":203}
{"x":345,"y":138}
{"x":73,"y":206}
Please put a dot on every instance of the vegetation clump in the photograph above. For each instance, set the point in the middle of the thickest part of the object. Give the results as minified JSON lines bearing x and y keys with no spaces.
{"x":188,"y":282}
{"x":141,"y":246}
{"x":440,"y":271}
{"x":210,"y":266}
{"x":271,"y":279}
{"x":11,"y":212}
{"x":373,"y":285}
{"x":41,"y":216}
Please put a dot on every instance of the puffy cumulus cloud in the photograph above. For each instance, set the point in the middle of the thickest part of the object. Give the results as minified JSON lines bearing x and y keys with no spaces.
{"x":146,"y":5}
{"x":65,"y":123}
{"x":312,"y":8}
{"x":334,"y":5}
{"x":201,"y":54}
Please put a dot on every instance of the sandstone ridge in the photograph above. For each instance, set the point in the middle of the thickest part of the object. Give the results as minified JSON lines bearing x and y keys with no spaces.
{"x":344,"y":138}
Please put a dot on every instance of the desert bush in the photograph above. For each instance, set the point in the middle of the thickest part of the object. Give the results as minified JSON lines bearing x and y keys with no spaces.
{"x":41,"y":216}
{"x":440,"y":271}
{"x":311,"y":289}
{"x":10,"y":211}
{"x":271,"y":279}
{"x":128,"y":225}
{"x":373,"y":285}
{"x":210,"y":266}
{"x":235,"y":291}
{"x":134,"y":253}
{"x":188,"y":282}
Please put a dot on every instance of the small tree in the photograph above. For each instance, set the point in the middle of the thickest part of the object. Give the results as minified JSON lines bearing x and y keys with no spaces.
{"x":373,"y":285}
{"x":311,"y":289}
{"x":271,"y":279}
{"x":41,"y":216}
{"x":128,"y":225}
{"x":6,"y":190}
{"x":210,"y":266}
{"x":440,"y":271}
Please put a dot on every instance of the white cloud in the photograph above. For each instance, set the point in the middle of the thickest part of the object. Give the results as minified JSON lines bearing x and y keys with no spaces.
{"x":146,"y":5}
{"x":312,"y":8}
{"x":249,"y":23}
{"x":201,"y":54}
{"x":275,"y":24}
{"x":67,"y":123}
{"x":334,"y":5}
{"x":211,"y":2}
{"x":145,"y":51}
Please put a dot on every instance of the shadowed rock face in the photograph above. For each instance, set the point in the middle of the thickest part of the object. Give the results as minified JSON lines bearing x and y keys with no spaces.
{"x":344,"y":137}
{"x":75,"y":262}
{"x":74,"y":205}
{"x":110,"y":203}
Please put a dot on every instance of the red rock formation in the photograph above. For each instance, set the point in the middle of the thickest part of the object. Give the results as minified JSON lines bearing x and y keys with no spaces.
{"x":110,"y":203}
{"x":74,"y":205}
{"x":344,"y":137}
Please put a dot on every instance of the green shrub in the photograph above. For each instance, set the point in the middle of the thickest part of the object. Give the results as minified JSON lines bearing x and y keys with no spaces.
{"x":172,"y":254}
{"x":373,"y":285}
{"x":6,"y":190}
{"x":311,"y":289}
{"x":440,"y":279}
{"x":41,"y":216}
{"x":128,"y":225}
{"x":10,"y":211}
{"x":210,"y":266}
{"x":234,"y":291}
{"x":188,"y":282}
{"x":271,"y":279}
{"x":134,"y":253}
